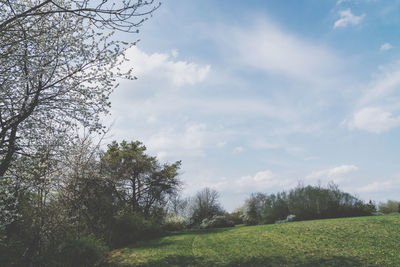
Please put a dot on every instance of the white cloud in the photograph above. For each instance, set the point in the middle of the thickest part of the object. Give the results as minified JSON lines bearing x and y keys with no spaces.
{"x":377,"y":109}
{"x":221,"y":144}
{"x":175,"y":53}
{"x":379,"y":189}
{"x":152,"y":119}
{"x":385,"y":84}
{"x":191,"y":141}
{"x":311,"y":158}
{"x":188,"y":142}
{"x":335,"y":174}
{"x":340,"y":2}
{"x":385,"y":47}
{"x":373,"y":119}
{"x":160,"y":66}
{"x":262,"y":179}
{"x":260,"y":182}
{"x":237,"y":150}
{"x":166,"y":103}
{"x":347,"y":18}
{"x":262,"y":144}
{"x":380,"y":186}
{"x":267,"y":47}
{"x":375,"y":187}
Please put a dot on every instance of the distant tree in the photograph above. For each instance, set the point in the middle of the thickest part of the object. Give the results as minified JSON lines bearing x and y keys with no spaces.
{"x":140,"y":180}
{"x":236,"y":215}
{"x":275,"y":208}
{"x":305,"y":203}
{"x":178,"y":206}
{"x":251,"y":215}
{"x":390,"y":206}
{"x":204,"y":205}
{"x":315,"y":202}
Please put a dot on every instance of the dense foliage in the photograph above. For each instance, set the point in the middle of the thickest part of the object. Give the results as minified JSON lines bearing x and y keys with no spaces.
{"x":58,"y":66}
{"x":306,"y":203}
{"x":390,"y":206}
{"x":217,"y":221}
{"x":77,"y":205}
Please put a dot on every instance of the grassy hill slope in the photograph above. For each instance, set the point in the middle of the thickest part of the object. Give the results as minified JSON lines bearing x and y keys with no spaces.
{"x":362,"y":241}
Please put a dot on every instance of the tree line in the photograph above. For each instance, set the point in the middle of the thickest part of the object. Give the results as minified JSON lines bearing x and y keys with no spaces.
{"x":304,"y":203}
{"x":301,"y":203}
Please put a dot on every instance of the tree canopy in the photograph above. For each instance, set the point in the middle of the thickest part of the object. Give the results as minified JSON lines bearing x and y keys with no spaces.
{"x":142,"y":181}
{"x":58,"y":66}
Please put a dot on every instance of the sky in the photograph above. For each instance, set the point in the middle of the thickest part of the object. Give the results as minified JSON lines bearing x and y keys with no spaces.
{"x":259,"y":96}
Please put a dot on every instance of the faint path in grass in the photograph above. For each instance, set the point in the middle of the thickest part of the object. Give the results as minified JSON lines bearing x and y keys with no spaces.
{"x":363,"y":241}
{"x":194,"y":254}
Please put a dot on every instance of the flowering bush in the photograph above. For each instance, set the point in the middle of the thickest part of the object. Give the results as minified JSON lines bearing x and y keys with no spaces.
{"x":216,"y":222}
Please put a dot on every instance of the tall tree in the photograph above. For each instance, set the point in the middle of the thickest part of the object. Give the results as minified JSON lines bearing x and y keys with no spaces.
{"x":142,"y":181}
{"x":58,"y":65}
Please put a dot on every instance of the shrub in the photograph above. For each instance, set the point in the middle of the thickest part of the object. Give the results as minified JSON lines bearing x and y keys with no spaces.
{"x":85,"y":251}
{"x":289,"y":218}
{"x":235,"y":216}
{"x":174,"y":223}
{"x":130,"y":228}
{"x":389,"y":207}
{"x":216,"y":222}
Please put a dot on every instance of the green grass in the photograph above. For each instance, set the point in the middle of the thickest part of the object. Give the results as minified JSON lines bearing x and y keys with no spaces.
{"x":363,"y":241}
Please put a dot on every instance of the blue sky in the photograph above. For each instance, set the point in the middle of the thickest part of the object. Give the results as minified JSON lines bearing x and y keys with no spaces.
{"x":255,"y":96}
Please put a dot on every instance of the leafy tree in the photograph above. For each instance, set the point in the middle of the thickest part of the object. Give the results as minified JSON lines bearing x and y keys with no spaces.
{"x":58,"y":64}
{"x":250,"y":216}
{"x":252,"y":209}
{"x":275,"y":208}
{"x":204,"y":205}
{"x":236,"y":215}
{"x":140,"y":180}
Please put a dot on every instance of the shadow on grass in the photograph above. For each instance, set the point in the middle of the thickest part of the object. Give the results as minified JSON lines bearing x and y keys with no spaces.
{"x":200,"y":231}
{"x":156,"y":242}
{"x":180,"y":260}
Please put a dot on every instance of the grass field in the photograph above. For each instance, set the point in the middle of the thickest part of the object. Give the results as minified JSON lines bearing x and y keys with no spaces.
{"x":363,"y":241}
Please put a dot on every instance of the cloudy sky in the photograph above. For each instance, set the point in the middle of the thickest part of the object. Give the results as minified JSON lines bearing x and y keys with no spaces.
{"x":257,"y":96}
